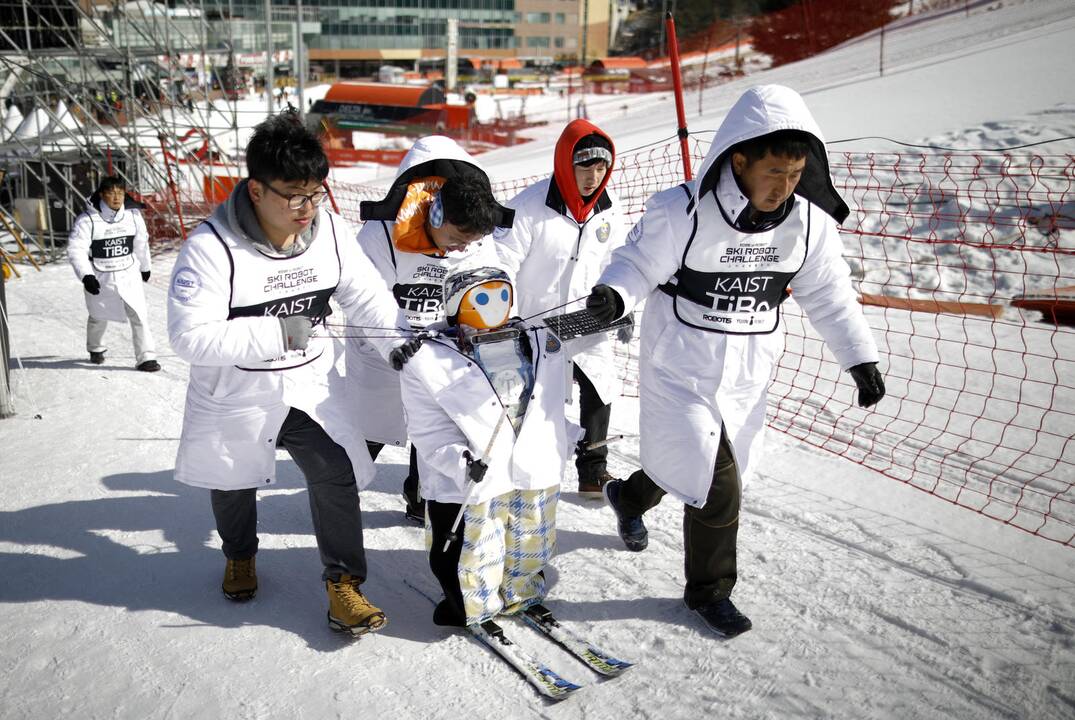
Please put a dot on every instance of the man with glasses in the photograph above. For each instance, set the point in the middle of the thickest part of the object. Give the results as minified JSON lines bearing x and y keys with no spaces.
{"x":109,"y":251}
{"x":248,"y":293}
{"x":435,"y":219}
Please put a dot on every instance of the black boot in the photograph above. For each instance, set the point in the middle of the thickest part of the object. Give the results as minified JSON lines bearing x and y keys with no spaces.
{"x":724,"y":618}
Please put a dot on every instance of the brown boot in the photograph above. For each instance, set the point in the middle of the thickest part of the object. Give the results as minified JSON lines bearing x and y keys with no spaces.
{"x":590,"y":487}
{"x":240,"y":580}
{"x":349,"y":610}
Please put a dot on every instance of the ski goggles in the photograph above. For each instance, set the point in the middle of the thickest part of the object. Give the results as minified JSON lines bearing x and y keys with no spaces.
{"x":591,"y":153}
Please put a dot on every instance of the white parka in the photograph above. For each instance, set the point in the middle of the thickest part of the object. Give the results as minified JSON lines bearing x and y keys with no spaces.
{"x":232,"y":415}
{"x":452,"y":407}
{"x":555,"y":259}
{"x":693,"y":381}
{"x":373,"y":384}
{"x":119,"y":286}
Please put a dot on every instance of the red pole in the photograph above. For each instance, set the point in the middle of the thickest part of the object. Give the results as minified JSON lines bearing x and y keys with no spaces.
{"x":331,"y":197}
{"x":108,"y":153}
{"x":171,"y":186}
{"x":677,"y":83}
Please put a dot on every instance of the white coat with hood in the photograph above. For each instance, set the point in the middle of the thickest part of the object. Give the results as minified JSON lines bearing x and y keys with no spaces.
{"x":233,"y":415}
{"x":118,"y":286}
{"x":693,"y":381}
{"x":373,"y":383}
{"x":555,"y":259}
{"x":452,"y":407}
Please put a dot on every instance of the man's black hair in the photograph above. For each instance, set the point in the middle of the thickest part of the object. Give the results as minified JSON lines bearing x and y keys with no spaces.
{"x":111,"y":181}
{"x":281,"y":148}
{"x":794,"y":144}
{"x":469,"y":204}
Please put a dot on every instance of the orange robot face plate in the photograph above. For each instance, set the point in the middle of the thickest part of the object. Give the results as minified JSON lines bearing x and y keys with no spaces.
{"x":486,"y":306}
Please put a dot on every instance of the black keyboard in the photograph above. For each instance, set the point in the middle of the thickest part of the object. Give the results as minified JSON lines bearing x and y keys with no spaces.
{"x":580,"y":323}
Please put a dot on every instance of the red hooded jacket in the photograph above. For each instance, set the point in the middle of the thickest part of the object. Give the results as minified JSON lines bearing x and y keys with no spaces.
{"x":564,"y":169}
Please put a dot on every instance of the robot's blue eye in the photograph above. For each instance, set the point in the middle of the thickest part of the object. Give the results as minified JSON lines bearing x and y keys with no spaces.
{"x":482,"y":298}
{"x":504,"y":294}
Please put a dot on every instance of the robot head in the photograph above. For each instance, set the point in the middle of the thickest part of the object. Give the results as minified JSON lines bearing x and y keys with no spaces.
{"x":478,"y":298}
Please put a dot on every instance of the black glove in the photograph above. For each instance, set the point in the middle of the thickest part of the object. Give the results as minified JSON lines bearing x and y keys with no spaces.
{"x":399,"y":356}
{"x":297,"y":330}
{"x":145,"y":276}
{"x":605,"y":304}
{"x":626,"y":333}
{"x":92,"y":284}
{"x":475,"y":468}
{"x":870,"y":383}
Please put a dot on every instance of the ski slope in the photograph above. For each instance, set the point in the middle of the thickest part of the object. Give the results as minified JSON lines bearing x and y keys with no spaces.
{"x":870,"y":599}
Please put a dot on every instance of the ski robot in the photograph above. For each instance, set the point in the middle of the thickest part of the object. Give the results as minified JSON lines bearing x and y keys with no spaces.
{"x":483,"y":398}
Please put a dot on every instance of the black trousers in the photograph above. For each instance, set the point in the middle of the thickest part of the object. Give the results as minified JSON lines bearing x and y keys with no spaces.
{"x":593,"y":416}
{"x":410,"y":484}
{"x":709,"y":532}
{"x":334,"y":503}
{"x":445,"y":565}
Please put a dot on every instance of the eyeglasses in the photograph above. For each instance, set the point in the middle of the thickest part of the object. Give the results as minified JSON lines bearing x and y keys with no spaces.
{"x":297,"y":201}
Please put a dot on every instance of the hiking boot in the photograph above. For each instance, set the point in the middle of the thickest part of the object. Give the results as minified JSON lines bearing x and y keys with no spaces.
{"x":149,"y":366}
{"x":724,"y":618}
{"x":591,"y":486}
{"x":97,"y":358}
{"x":349,"y":610}
{"x":631,"y":528}
{"x":240,"y":580}
{"x":415,"y":511}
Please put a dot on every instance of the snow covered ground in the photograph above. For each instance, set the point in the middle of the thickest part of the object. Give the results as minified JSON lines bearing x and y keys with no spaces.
{"x":870,"y":598}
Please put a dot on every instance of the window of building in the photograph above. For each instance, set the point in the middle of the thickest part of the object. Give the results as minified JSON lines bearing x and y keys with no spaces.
{"x":558,"y":42}
{"x":537,"y":42}
{"x":561,"y":18}
{"x":538,"y":18}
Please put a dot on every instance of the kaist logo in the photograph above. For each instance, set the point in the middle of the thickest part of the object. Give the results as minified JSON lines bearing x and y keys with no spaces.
{"x":292,"y":306}
{"x":741,"y":293}
{"x":115,"y":247}
{"x":423,"y":298}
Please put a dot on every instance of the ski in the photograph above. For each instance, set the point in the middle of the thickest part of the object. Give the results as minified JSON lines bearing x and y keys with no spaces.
{"x":541,"y":619}
{"x":543,"y":678}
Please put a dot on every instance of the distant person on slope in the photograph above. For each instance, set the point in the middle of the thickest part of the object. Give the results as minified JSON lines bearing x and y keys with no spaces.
{"x":248,"y":293}
{"x":109,"y":251}
{"x":435,"y":218}
{"x":714,"y":259}
{"x":565,"y":230}
{"x":485,"y":410}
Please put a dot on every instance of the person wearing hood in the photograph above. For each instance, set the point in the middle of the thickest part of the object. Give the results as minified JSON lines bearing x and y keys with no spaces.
{"x":565,"y":230}
{"x":109,"y":252}
{"x":436,"y":218}
{"x":714,"y":259}
{"x":248,"y":294}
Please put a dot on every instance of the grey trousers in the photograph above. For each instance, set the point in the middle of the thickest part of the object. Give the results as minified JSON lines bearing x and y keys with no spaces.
{"x":144,"y":349}
{"x":709,"y":532}
{"x":334,"y":503}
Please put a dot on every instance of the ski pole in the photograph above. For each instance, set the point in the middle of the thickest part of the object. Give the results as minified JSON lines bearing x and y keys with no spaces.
{"x":606,"y":441}
{"x":452,"y":536}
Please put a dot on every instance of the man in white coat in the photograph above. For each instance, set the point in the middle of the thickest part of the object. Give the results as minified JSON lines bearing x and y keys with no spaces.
{"x":485,"y":409}
{"x":248,"y":293}
{"x":714,"y":259}
{"x":109,"y":251}
{"x":435,"y":218}
{"x":565,"y":230}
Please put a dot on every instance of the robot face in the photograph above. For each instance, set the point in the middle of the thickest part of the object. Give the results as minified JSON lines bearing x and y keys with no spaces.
{"x":486,"y":306}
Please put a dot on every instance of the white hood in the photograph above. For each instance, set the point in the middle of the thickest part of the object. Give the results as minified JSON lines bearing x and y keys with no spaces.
{"x":434,"y":147}
{"x":431,"y":155}
{"x":762,"y":110}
